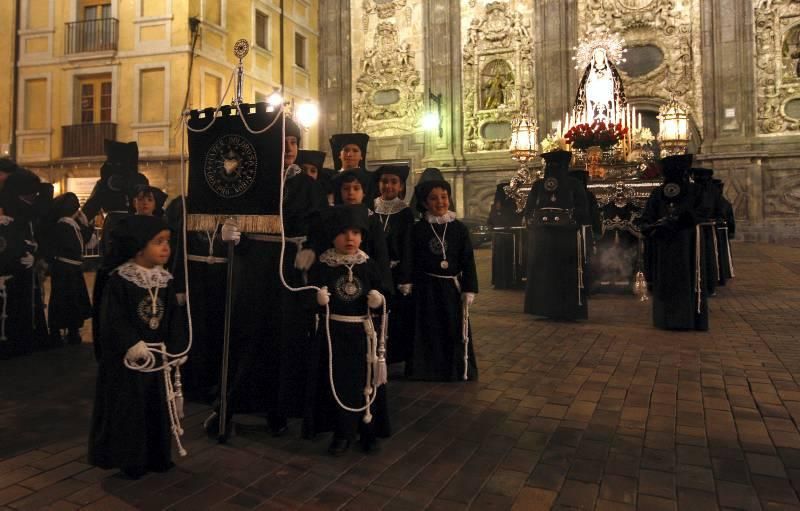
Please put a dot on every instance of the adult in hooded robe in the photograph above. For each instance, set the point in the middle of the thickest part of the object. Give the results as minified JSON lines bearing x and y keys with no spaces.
{"x":67,"y":231}
{"x":674,"y":253}
{"x":708,"y":208}
{"x":591,"y":231}
{"x":555,"y":211}
{"x":502,"y":218}
{"x":726,"y":231}
{"x":24,"y":201}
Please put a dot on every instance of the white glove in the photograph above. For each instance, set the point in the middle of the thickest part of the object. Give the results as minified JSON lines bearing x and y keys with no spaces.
{"x":467,"y":298}
{"x":323,"y":296}
{"x":230,"y":231}
{"x":405,"y":289}
{"x":136,"y":352}
{"x":181,"y":298}
{"x":304,"y":259}
{"x":374,"y":299}
{"x":27,"y":260}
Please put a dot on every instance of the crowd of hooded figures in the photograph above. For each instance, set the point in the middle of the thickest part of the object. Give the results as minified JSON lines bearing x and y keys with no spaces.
{"x":394,"y":282}
{"x":686,"y":227}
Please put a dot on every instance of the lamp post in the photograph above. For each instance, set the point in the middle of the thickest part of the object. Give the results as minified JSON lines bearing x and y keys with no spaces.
{"x":673,"y":127}
{"x":523,"y":148}
{"x":432,"y":121}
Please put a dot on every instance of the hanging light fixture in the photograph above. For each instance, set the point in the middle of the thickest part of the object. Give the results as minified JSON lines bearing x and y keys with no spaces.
{"x":524,"y":147}
{"x":673,"y":127}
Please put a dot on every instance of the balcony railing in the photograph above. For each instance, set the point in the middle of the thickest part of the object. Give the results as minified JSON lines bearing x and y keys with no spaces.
{"x":87,"y":139}
{"x":91,"y":35}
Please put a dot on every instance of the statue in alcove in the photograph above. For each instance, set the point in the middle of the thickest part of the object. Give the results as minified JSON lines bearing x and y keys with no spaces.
{"x":600,"y":91}
{"x":497,"y":84}
{"x":792,"y":51}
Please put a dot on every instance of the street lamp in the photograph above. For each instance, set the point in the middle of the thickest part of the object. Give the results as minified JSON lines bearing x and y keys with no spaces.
{"x":307,"y":114}
{"x":432,"y":121}
{"x":673,"y":127}
{"x":275,"y":100}
{"x":524,"y":147}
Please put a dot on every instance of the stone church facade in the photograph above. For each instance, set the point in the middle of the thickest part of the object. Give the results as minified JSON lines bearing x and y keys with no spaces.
{"x":734,"y":63}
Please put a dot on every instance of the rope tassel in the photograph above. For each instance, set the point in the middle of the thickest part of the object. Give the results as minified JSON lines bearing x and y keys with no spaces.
{"x":580,"y":267}
{"x":465,"y":338}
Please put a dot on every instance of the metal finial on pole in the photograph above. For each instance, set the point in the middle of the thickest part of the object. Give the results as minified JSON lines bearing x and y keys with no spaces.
{"x":240,"y":49}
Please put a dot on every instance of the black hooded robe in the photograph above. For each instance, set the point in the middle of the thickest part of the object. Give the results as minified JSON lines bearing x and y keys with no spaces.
{"x":15,"y":318}
{"x":69,"y":303}
{"x":130,"y":423}
{"x":708,"y":209}
{"x":438,"y":348}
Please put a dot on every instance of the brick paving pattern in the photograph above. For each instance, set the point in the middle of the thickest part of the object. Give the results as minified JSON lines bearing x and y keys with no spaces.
{"x":608,"y":414}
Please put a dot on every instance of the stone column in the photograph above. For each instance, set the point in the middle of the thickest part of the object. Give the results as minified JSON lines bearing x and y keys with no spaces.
{"x":335,"y":70}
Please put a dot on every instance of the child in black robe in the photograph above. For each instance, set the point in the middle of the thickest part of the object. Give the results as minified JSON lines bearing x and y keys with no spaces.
{"x":445,"y":284}
{"x":350,"y":285}
{"x":130,"y":422}
{"x":69,"y":303}
{"x":397,"y":220}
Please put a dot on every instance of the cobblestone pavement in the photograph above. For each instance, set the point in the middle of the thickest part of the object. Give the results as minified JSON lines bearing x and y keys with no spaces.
{"x":605,"y":414}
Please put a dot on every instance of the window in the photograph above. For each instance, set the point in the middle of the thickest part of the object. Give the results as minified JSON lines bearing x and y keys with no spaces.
{"x":262,"y":30}
{"x":299,"y":50}
{"x":95,"y":99}
{"x":94,"y":9}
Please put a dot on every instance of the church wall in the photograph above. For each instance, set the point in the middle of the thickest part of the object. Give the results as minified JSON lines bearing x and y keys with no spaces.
{"x":733,"y":62}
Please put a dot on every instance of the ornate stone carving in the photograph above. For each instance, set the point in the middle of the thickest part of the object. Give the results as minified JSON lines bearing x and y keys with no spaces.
{"x":384,"y":9}
{"x":497,"y":73}
{"x":671,"y":25}
{"x":777,"y":34}
{"x":387,"y":92}
{"x":783,"y":193}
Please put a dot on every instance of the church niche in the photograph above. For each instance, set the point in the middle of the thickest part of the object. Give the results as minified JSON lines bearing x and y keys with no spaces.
{"x":497,"y":75}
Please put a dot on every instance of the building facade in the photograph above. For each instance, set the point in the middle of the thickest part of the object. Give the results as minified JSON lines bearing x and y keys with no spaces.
{"x":87,"y":70}
{"x":735,"y":63}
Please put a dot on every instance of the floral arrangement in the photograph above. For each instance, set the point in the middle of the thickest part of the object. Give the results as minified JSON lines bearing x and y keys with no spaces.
{"x":642,"y":136}
{"x":552,"y":143}
{"x":583,"y":136}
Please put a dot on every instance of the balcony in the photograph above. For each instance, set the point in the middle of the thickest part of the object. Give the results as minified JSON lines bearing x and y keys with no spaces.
{"x":86,"y":139}
{"x":91,"y":36}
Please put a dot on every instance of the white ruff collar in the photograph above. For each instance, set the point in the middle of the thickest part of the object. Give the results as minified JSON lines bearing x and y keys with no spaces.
{"x":389,"y":207}
{"x":292,"y":170}
{"x":444,"y":219}
{"x":6,"y":220}
{"x":332,"y":258}
{"x":145,"y":278}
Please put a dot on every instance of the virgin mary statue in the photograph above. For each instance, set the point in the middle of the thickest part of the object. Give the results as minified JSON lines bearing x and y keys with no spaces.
{"x":600,"y":92}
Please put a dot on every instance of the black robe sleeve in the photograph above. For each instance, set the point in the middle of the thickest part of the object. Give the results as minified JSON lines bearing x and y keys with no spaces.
{"x":377,"y":250}
{"x":177,"y":337}
{"x":118,"y":333}
{"x":405,"y":249}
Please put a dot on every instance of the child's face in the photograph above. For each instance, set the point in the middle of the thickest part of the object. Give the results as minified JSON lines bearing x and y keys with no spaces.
{"x":390,"y":186}
{"x":144,"y":204}
{"x":157,"y":251}
{"x":352,"y":193}
{"x":438,"y":202}
{"x":350,"y":156}
{"x":289,"y":150}
{"x":310,"y":170}
{"x":348,"y":241}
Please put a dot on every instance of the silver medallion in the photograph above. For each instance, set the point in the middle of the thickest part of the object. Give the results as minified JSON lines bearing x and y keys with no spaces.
{"x":672,"y":190}
{"x":444,"y":265}
{"x":350,"y":289}
{"x":551,"y":184}
{"x":154,"y":323}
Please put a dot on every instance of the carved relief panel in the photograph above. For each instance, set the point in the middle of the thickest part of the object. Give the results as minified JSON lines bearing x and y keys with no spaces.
{"x":387,"y":82}
{"x":497,"y":71}
{"x":777,"y":34}
{"x":663,"y":41}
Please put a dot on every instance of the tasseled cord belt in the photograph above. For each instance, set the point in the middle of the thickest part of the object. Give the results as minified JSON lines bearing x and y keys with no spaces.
{"x":377,"y":373}
{"x":698,"y":259}
{"x":3,"y":313}
{"x":173,"y":391}
{"x":464,"y":320}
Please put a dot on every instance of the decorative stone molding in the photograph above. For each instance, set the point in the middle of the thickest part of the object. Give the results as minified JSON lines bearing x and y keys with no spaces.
{"x":673,"y":26}
{"x":777,"y":33}
{"x":782,"y":193}
{"x":497,"y":74}
{"x":388,"y":92}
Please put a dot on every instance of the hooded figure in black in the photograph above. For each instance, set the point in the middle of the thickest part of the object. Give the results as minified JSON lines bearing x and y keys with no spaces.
{"x":617,"y":258}
{"x":502,"y":218}
{"x":24,"y":200}
{"x":130,"y":422}
{"x":445,"y":285}
{"x":351,"y":287}
{"x":396,"y":219}
{"x":349,"y":152}
{"x":673,"y":254}
{"x":708,"y":208}
{"x":726,"y":231}
{"x":67,"y":232}
{"x":591,"y":231}
{"x":555,"y":211}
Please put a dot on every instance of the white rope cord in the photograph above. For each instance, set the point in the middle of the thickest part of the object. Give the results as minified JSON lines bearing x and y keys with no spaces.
{"x":730,"y":257}
{"x":698,"y":256}
{"x":580,"y":266}
{"x":716,"y":249}
{"x":465,"y":336}
{"x":4,"y":314}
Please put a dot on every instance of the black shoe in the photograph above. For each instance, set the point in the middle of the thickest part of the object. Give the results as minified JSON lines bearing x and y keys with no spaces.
{"x":370,"y":445}
{"x":338,"y":446}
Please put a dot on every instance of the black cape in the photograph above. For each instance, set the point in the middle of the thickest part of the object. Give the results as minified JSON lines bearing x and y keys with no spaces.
{"x":69,"y":299}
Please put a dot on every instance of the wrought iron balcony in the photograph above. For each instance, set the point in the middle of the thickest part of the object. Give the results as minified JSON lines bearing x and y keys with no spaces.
{"x":91,"y":36}
{"x":86,"y":139}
